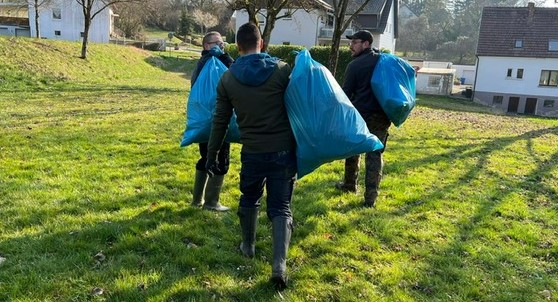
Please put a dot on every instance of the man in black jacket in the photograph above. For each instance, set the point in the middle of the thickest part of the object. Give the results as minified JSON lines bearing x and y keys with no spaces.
{"x":206,"y":191}
{"x":359,"y":90}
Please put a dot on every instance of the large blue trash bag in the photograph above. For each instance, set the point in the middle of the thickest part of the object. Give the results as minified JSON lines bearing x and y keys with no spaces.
{"x":201,"y":105}
{"x":393,"y":82}
{"x":325,"y":123}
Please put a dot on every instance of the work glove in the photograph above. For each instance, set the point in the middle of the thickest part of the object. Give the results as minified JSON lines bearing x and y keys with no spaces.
{"x":212,"y":167}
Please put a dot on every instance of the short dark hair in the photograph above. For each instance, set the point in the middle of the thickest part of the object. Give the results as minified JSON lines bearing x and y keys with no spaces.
{"x":248,"y":36}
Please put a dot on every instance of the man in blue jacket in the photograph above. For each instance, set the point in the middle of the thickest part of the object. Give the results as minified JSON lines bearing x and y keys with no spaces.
{"x":359,"y":90}
{"x":206,"y":191}
{"x":254,"y":87}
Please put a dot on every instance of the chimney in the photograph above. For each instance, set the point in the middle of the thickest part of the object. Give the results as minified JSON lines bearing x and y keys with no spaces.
{"x":531,"y":6}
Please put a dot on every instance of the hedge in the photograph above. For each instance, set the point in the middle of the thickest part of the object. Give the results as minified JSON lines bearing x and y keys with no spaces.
{"x":319,"y":53}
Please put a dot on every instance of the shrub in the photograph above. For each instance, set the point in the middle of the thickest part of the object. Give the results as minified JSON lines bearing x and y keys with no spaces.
{"x":153,"y":46}
{"x":283,"y":52}
{"x":319,"y":53}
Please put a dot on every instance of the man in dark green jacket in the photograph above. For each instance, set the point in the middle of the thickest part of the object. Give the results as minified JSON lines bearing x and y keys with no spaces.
{"x":254,"y":87}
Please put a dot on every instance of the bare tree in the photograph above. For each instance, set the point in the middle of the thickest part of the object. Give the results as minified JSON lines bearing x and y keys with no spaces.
{"x":344,"y":12}
{"x":270,"y":10}
{"x":132,"y":17}
{"x":91,"y":8}
{"x":204,"y":19}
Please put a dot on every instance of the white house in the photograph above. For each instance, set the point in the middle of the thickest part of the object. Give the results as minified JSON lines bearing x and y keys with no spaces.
{"x":63,"y":20}
{"x":315,"y":27}
{"x":301,"y":28}
{"x":14,"y":20}
{"x":517,"y":65}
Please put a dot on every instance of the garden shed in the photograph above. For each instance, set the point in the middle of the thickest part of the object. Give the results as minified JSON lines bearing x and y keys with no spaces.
{"x":438,"y":81}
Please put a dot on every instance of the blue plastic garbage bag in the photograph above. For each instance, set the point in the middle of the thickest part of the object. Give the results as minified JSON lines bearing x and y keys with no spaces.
{"x":325,"y":123}
{"x":394,"y":85}
{"x":201,"y":105}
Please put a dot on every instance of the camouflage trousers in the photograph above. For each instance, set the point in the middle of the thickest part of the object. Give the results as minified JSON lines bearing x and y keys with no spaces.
{"x":378,"y":124}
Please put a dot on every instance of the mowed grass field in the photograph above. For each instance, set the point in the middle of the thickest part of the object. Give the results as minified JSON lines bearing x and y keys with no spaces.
{"x":95,"y":192}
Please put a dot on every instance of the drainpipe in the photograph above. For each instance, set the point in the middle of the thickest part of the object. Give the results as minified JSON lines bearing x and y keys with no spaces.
{"x":476,"y":76}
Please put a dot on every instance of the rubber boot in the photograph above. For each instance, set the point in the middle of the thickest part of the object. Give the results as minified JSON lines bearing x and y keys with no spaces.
{"x":199,"y":188}
{"x":374,"y":167}
{"x":248,"y":223}
{"x":349,"y":183}
{"x":212,"y":191}
{"x":282,"y":229}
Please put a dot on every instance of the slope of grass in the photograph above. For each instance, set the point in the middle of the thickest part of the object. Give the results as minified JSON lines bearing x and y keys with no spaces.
{"x":94,"y":195}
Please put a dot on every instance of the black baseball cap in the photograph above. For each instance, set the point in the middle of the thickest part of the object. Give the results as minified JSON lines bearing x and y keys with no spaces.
{"x":363,"y":35}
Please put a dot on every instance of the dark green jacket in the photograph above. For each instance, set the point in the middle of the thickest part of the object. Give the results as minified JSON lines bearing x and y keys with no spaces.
{"x":254,"y":87}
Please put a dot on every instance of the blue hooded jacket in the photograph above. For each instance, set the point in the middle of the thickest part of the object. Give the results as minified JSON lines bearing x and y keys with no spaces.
{"x":253,"y":69}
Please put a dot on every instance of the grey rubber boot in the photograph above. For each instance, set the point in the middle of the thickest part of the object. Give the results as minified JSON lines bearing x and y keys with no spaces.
{"x":212,"y":191}
{"x":248,"y":223}
{"x":199,"y":188}
{"x":282,"y":229}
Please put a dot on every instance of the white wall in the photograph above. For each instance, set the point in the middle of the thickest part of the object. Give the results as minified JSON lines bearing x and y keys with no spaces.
{"x":492,"y":75}
{"x":465,"y":71}
{"x":14,"y":30}
{"x":71,"y":23}
{"x":302,"y":29}
{"x":387,"y":39}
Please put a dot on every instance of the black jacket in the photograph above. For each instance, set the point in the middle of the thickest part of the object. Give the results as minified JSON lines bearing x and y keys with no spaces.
{"x":357,"y":82}
{"x":224,"y":58}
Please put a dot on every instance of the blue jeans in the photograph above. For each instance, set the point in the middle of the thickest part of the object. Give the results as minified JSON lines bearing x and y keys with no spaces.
{"x":277,"y":172}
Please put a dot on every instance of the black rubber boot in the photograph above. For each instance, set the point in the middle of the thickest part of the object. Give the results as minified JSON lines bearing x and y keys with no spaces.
{"x":212,"y":191}
{"x":199,"y":188}
{"x":248,"y":223}
{"x":282,"y":229}
{"x":349,"y":183}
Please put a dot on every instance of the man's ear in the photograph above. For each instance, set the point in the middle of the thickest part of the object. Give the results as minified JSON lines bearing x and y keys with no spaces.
{"x":261,"y":44}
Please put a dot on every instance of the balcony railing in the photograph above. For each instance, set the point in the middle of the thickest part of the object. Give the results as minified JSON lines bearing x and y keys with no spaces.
{"x":327,"y":32}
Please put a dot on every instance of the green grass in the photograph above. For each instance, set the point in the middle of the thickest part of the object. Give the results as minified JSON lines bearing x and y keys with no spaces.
{"x":155,"y":33}
{"x":89,"y":163}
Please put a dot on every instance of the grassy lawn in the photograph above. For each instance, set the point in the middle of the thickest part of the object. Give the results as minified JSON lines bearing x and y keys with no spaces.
{"x":94,"y":194}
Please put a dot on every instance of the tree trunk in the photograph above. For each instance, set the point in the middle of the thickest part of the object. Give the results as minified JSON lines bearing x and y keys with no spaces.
{"x":338,"y":29}
{"x":334,"y":56}
{"x":266,"y":36}
{"x":85,"y":36}
{"x":37,"y":29}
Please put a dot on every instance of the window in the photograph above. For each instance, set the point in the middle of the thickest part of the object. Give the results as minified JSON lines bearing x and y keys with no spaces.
{"x":553,"y":45}
{"x":57,"y":33}
{"x":433,"y":81}
{"x":82,"y":34}
{"x":509,"y":72}
{"x":518,"y":43}
{"x":497,"y":100}
{"x":548,"y":103}
{"x":56,"y":13}
{"x":329,"y":20}
{"x":286,"y":43}
{"x":520,"y":73}
{"x":288,"y":14}
{"x":549,"y":78}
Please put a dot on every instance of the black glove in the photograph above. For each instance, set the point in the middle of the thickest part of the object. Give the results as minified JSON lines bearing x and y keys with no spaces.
{"x":212,"y":167}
